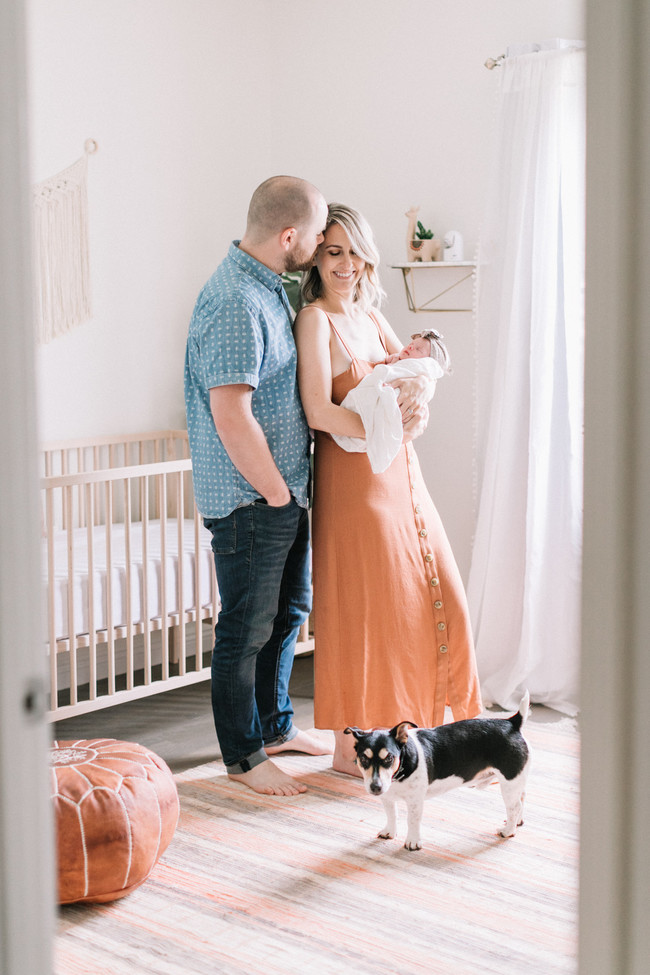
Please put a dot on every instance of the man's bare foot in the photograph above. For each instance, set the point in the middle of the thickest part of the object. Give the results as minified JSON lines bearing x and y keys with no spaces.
{"x":302,"y":742}
{"x":345,"y":755}
{"x":267,"y":779}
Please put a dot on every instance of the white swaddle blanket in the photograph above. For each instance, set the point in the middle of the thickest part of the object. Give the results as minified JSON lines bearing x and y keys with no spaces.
{"x":377,"y":406}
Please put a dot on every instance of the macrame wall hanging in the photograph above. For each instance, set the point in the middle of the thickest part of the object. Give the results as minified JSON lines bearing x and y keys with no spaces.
{"x":61,"y":260}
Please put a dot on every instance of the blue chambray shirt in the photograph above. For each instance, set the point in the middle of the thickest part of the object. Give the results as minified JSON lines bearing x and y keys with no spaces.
{"x":240,"y":332}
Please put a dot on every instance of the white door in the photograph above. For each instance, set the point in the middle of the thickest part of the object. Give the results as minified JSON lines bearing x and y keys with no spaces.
{"x":26,"y":871}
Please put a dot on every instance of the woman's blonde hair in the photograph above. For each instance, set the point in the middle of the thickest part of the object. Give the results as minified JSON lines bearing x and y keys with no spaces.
{"x":369,"y":292}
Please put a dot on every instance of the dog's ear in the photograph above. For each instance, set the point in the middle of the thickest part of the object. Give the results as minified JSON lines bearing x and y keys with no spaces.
{"x":357,"y":732}
{"x":401,"y":730}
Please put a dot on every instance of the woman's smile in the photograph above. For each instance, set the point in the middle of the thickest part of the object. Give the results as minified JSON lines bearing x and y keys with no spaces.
{"x":337,"y":262}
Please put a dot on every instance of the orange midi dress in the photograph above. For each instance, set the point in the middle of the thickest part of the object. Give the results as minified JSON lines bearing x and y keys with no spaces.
{"x":391,"y":627}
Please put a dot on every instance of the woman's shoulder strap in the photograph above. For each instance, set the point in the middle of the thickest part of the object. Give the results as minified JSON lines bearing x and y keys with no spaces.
{"x":382,"y":337}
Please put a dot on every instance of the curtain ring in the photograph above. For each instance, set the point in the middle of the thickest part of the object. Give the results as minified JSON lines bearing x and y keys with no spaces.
{"x":90,"y":146}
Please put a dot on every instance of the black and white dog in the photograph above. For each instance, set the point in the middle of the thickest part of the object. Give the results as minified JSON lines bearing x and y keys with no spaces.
{"x":412,"y":763}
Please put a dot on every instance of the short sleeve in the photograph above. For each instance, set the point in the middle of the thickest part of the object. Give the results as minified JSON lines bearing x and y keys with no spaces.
{"x":229,"y":343}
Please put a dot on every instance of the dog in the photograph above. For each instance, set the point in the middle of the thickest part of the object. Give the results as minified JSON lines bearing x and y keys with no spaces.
{"x":412,"y":763}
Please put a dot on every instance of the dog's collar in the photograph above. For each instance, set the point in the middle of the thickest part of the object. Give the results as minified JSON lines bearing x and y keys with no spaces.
{"x":398,"y":770}
{"x":408,"y":760}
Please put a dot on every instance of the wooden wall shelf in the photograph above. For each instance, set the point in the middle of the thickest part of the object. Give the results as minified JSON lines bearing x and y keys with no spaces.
{"x":435,"y":279}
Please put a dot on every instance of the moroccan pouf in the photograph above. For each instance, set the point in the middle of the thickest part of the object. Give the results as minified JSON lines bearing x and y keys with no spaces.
{"x":116,"y":808}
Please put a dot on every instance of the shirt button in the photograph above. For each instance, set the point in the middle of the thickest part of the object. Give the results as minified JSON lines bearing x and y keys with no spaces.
{"x":443,"y":648}
{"x":423,"y":532}
{"x":438,"y":604}
{"x":428,"y":558}
{"x":441,"y":626}
{"x":434,"y":581}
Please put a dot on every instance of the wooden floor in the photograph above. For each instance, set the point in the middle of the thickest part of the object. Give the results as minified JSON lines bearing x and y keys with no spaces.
{"x":253,"y":884}
{"x":177,"y":724}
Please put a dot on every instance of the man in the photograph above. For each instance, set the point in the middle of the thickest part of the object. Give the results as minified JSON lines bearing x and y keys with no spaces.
{"x":250,"y":455}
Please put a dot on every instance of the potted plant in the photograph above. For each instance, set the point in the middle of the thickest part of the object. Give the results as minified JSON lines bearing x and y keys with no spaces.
{"x":421,"y":244}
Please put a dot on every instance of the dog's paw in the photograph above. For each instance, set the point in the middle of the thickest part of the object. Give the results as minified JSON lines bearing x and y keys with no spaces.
{"x":507,"y":831}
{"x":412,"y":844}
{"x":386,"y":834}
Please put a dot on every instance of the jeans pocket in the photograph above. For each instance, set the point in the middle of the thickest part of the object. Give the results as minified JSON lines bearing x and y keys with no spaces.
{"x":224,"y":534}
{"x":262,"y":504}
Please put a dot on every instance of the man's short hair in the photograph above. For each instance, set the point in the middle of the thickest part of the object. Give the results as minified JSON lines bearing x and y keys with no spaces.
{"x":278,"y":203}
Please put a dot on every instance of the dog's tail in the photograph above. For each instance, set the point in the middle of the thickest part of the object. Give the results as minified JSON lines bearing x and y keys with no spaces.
{"x":518,"y":720}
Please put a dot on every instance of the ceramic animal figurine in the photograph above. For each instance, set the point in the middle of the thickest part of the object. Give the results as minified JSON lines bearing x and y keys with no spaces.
{"x":453,"y":246}
{"x":416,"y":249}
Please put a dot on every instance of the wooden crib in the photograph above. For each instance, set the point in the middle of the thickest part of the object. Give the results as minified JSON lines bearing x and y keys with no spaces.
{"x":131,"y":595}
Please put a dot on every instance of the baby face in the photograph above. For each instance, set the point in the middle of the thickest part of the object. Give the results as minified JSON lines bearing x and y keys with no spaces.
{"x":419,"y":348}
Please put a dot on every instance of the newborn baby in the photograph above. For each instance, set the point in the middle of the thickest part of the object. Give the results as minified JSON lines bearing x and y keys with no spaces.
{"x":424,"y":345}
{"x":376,"y":403}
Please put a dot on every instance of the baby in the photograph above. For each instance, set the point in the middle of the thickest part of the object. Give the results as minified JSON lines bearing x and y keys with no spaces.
{"x":376,"y":403}
{"x":426,"y":344}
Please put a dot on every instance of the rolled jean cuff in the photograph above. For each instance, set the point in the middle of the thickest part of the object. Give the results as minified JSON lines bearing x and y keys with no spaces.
{"x":280,"y":740}
{"x":246,"y":764}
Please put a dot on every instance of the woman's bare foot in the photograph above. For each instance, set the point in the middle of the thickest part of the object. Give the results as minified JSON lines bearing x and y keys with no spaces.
{"x":302,"y":742}
{"x":267,"y":779}
{"x":345,"y":755}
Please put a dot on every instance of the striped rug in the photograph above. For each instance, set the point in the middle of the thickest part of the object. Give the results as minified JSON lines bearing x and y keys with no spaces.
{"x":302,"y":885}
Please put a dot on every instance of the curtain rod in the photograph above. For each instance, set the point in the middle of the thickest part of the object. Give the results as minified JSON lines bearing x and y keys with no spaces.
{"x":494,"y":62}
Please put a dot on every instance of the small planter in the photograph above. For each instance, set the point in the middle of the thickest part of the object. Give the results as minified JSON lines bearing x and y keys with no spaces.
{"x":425,"y":250}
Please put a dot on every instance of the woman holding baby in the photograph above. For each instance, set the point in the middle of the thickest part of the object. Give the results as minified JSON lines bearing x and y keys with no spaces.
{"x":391,"y":624}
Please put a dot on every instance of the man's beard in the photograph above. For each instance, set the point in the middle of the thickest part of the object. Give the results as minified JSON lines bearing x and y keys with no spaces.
{"x":299,"y":260}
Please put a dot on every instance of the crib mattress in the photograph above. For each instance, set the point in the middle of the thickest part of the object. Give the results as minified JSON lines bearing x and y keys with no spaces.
{"x":120,"y":606}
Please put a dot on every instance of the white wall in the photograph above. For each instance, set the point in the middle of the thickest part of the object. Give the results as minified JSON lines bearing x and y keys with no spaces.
{"x":193,"y":103}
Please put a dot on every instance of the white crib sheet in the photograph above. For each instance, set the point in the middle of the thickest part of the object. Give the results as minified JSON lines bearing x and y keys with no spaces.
{"x":118,"y":574}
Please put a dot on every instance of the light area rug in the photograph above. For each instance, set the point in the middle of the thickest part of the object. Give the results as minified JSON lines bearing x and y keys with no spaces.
{"x":302,"y":886}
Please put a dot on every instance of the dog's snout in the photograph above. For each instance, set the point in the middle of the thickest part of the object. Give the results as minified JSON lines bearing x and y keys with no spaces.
{"x":376,"y":787}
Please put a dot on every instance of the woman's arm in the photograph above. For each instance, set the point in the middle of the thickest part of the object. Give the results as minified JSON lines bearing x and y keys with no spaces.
{"x":312,"y":335}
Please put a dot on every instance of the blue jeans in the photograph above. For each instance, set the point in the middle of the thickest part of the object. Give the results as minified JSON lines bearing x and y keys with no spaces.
{"x":261,"y":554}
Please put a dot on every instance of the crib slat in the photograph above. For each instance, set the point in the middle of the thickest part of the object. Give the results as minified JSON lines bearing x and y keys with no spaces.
{"x":51,"y":613}
{"x":95,"y":466}
{"x":110,"y":627}
{"x":146,"y":615}
{"x":128,"y":580}
{"x":198,"y":570}
{"x":92,"y":632}
{"x":72,"y":651}
{"x":80,"y":520}
{"x":180,"y":576}
{"x":164,"y":619}
{"x":64,"y":471}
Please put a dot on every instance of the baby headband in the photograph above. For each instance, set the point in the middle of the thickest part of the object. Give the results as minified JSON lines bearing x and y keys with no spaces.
{"x":438,"y":348}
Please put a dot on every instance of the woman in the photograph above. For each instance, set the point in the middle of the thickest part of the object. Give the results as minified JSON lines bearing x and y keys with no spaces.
{"x":391,"y":624}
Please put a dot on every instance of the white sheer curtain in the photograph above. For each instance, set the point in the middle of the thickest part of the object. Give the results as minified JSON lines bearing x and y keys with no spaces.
{"x":524,"y":584}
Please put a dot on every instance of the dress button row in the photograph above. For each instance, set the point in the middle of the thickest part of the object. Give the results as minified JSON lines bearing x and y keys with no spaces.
{"x":434,"y":581}
{"x":428,"y":557}
{"x":443,"y":648}
{"x":423,"y":532}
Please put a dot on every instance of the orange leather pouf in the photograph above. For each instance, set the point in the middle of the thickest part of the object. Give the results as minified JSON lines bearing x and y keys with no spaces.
{"x":116,"y":809}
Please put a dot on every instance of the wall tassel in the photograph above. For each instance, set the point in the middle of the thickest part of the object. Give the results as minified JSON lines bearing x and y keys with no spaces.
{"x":61,"y":252}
